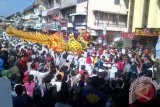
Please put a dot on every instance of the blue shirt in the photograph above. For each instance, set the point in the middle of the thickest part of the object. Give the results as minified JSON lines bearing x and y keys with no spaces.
{"x":1,"y":64}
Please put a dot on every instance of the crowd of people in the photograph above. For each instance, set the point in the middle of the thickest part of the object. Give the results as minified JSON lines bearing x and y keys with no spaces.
{"x":100,"y":77}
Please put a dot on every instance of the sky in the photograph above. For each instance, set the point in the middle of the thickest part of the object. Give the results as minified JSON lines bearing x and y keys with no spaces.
{"x":8,"y":7}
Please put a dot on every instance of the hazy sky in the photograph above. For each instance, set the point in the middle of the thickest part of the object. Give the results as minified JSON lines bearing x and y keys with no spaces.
{"x":8,"y":7}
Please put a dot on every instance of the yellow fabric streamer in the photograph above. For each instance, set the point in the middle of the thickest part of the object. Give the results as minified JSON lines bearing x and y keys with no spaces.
{"x":55,"y":41}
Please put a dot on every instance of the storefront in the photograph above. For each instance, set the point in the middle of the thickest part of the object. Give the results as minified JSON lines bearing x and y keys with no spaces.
{"x":127,"y":38}
{"x":110,"y":37}
{"x":146,"y":37}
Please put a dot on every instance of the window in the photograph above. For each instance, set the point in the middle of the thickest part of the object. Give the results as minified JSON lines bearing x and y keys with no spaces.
{"x":97,"y":18}
{"x":80,"y":1}
{"x":116,"y":2}
{"x":80,"y":19}
{"x":101,"y":18}
{"x":115,"y":19}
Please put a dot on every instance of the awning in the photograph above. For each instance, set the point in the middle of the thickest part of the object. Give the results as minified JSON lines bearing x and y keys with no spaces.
{"x":76,"y":14}
{"x":80,"y":27}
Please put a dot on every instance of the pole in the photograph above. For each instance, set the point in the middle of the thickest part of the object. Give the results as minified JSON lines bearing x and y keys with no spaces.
{"x":87,"y":15}
{"x":67,"y":28}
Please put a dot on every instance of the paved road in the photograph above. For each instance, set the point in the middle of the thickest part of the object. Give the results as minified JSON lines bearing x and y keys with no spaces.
{"x":5,"y":93}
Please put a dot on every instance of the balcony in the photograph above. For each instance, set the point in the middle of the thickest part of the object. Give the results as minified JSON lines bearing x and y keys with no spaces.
{"x":110,"y":26}
{"x":112,"y":22}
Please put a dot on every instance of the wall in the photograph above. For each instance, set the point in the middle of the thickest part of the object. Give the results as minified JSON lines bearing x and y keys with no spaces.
{"x":154,"y":14}
{"x":57,"y":3}
{"x":158,"y":14}
{"x":81,"y":7}
{"x":108,"y":5}
{"x":138,"y":14}
{"x":68,"y":3}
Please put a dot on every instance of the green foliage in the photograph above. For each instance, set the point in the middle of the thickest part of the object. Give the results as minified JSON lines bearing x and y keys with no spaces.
{"x":118,"y":44}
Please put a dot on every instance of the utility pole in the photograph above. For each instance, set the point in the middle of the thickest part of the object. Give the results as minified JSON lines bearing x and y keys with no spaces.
{"x":87,"y":15}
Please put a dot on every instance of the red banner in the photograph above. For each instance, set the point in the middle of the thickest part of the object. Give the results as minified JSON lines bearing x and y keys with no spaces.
{"x":55,"y":17}
{"x":128,"y":35}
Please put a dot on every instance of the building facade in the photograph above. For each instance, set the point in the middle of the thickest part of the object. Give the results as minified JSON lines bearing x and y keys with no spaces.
{"x":94,"y":16}
{"x":32,"y":16}
{"x":143,"y":14}
{"x":51,"y":14}
{"x":15,"y":19}
{"x":107,"y":16}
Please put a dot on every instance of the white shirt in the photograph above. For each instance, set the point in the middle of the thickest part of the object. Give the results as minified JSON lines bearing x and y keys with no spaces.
{"x":81,"y":61}
{"x":29,"y":66}
{"x":70,"y":58}
{"x":76,"y":59}
{"x":57,"y":60}
{"x":127,"y":68}
{"x":85,"y":53}
{"x":38,"y":75}
{"x":52,"y":53}
{"x":123,"y":51}
{"x":112,"y":72}
{"x":57,"y":83}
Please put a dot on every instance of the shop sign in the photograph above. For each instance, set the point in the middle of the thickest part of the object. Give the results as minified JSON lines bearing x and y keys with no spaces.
{"x":147,"y":31}
{"x":63,"y":22}
{"x":143,"y":89}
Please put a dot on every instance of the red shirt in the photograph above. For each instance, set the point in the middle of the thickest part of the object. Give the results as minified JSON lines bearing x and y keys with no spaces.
{"x":23,"y":62}
{"x":49,"y":59}
{"x":29,"y":53}
{"x":120,"y":65}
{"x":88,"y":60}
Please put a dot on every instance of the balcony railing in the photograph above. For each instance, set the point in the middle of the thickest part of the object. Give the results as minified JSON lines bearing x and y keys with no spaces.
{"x":111,"y":24}
{"x":81,"y":24}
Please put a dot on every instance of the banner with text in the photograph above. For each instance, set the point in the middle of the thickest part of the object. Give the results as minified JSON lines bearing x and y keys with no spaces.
{"x":147,"y":31}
